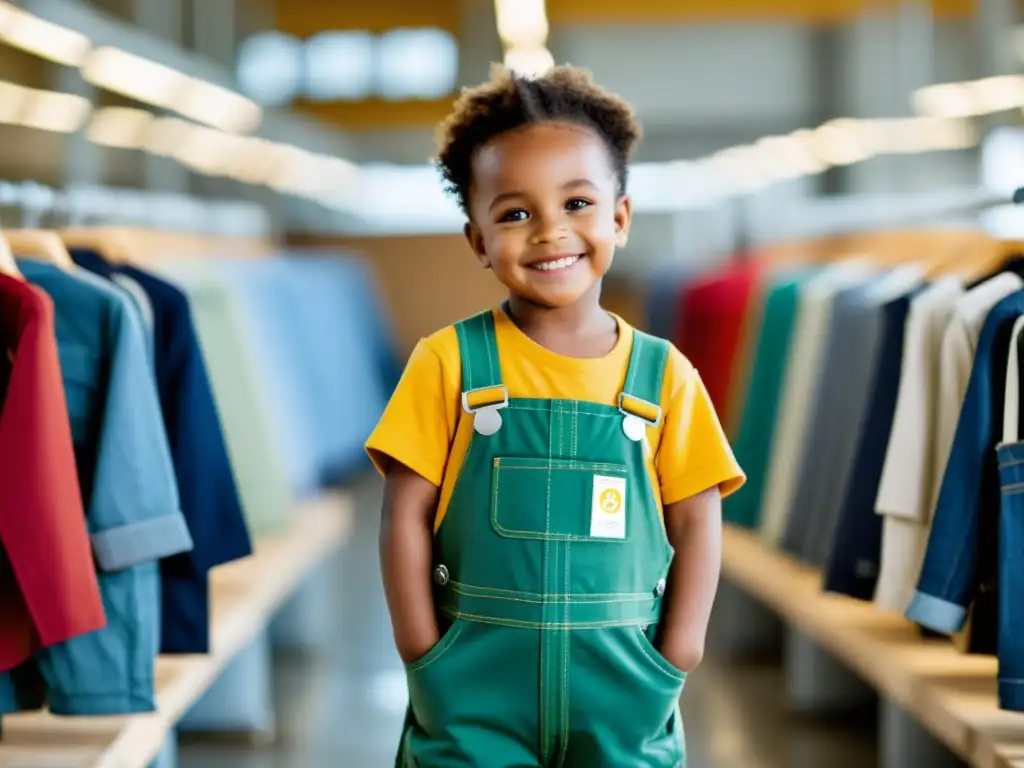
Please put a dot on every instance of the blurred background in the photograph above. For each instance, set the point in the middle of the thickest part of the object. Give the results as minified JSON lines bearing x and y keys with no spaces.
{"x":274,"y":130}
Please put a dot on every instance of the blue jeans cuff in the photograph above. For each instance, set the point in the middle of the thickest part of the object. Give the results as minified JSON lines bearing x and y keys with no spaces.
{"x":936,"y":613}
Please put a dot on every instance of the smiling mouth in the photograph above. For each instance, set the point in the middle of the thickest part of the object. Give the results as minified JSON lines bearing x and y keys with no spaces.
{"x":556,"y":264}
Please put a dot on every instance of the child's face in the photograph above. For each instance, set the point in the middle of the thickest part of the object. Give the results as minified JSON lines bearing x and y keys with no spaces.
{"x":545,"y":214}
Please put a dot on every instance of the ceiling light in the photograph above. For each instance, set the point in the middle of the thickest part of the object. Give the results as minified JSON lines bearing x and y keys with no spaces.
{"x":530,"y":62}
{"x":340,"y":65}
{"x":522,"y":23}
{"x":135,"y":77}
{"x":41,"y":37}
{"x":12,"y":101}
{"x":416,"y":64}
{"x":946,"y":100}
{"x":122,"y":127}
{"x":57,"y":112}
{"x":270,"y":67}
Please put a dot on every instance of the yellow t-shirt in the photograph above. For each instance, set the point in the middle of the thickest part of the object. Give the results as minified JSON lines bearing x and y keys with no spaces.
{"x":689,"y":451}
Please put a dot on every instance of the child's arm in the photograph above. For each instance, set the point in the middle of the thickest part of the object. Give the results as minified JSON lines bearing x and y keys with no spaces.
{"x":694,"y":527}
{"x":406,"y":547}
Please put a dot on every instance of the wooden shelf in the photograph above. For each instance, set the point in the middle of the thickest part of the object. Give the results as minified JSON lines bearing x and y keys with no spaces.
{"x":952,"y":694}
{"x":244,"y":596}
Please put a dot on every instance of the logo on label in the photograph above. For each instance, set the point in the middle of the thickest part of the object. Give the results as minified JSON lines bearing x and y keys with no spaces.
{"x":608,"y":508}
{"x":611,"y":501}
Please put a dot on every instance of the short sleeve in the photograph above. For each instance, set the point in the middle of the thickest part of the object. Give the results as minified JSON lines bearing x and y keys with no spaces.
{"x":419,"y":423}
{"x":694,"y":453}
{"x":134,"y":514}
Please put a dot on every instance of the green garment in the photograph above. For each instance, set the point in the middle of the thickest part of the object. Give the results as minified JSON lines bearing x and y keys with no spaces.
{"x":754,"y":439}
{"x":241,"y":402}
{"x":550,"y":568}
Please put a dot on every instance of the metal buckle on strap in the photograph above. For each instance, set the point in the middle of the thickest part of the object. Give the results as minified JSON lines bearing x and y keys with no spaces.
{"x":630,"y":405}
{"x":484,"y":400}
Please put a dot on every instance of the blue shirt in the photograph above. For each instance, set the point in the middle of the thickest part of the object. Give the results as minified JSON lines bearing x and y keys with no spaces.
{"x":206,"y":483}
{"x":128,"y":485}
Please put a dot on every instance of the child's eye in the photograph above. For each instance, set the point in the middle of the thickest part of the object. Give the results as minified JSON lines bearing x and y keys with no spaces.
{"x":516,"y":214}
{"x":577,"y":204}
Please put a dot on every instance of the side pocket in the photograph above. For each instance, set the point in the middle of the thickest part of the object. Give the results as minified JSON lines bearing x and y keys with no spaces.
{"x":657,"y":658}
{"x":441,"y":647}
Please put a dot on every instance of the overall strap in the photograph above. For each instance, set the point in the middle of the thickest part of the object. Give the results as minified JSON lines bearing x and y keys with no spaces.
{"x":481,"y":371}
{"x":641,"y":393}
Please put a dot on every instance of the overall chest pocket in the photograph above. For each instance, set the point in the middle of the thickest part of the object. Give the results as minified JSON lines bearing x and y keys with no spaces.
{"x":558,"y":499}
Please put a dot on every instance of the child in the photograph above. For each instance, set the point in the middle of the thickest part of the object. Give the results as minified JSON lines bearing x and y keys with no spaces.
{"x":543,"y":461}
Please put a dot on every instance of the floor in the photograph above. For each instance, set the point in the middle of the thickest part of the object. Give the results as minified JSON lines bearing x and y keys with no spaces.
{"x":342,"y":706}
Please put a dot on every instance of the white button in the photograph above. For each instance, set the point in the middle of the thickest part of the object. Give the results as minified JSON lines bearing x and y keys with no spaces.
{"x":487,"y":421}
{"x":634,"y":428}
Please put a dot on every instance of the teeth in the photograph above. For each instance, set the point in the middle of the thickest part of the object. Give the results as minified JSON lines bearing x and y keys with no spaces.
{"x":547,"y":266}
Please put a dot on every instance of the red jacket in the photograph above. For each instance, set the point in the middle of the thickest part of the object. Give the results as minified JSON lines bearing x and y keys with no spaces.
{"x":48,"y":587}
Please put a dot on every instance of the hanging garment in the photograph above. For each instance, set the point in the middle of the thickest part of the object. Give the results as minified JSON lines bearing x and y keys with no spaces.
{"x":131,"y":498}
{"x":48,"y":587}
{"x":837,"y":416}
{"x":802,"y":369}
{"x":904,"y":489}
{"x":665,"y":299}
{"x":206,"y":485}
{"x":281,"y":358}
{"x":353,"y":375}
{"x":1010,"y":457}
{"x":601,"y":695}
{"x":753,"y":441}
{"x":240,"y":399}
{"x":854,"y":562}
{"x":746,"y":347}
{"x":956,"y":357}
{"x":711,"y":326}
{"x":960,"y":562}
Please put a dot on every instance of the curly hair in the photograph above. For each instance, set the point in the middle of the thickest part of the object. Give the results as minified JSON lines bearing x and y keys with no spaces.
{"x":508,"y":101}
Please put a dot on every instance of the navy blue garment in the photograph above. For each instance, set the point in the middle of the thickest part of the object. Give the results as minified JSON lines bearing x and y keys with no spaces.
{"x":960,"y":565}
{"x":206,"y":483}
{"x":856,"y":548}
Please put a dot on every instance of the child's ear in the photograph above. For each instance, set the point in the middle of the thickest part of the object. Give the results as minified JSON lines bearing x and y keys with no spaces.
{"x":623,"y":218}
{"x":476,"y":242}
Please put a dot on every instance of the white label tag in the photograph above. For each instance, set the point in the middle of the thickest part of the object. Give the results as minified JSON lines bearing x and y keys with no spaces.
{"x":608,"y":508}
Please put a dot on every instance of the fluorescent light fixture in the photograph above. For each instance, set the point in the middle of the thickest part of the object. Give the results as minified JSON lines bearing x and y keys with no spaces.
{"x":165,"y":135}
{"x":122,"y":127}
{"x":522,"y":23}
{"x":151,"y":83}
{"x":135,"y":77}
{"x":530,"y":62}
{"x":56,"y":112}
{"x":12,"y":101}
{"x":41,"y":37}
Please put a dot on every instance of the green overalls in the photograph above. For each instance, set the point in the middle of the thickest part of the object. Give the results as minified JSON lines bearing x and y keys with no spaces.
{"x":549,"y":569}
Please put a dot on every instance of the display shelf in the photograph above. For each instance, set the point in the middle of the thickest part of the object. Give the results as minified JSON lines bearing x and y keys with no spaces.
{"x":952,"y":694}
{"x":244,"y":596}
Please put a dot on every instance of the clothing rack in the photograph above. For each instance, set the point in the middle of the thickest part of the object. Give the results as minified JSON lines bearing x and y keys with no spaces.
{"x":87,"y":204}
{"x":937,"y":702}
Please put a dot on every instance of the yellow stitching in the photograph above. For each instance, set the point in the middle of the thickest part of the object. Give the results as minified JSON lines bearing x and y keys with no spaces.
{"x":676,"y":674}
{"x":563,"y":600}
{"x":454,"y":632}
{"x":624,"y":595}
{"x":540,"y":624}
